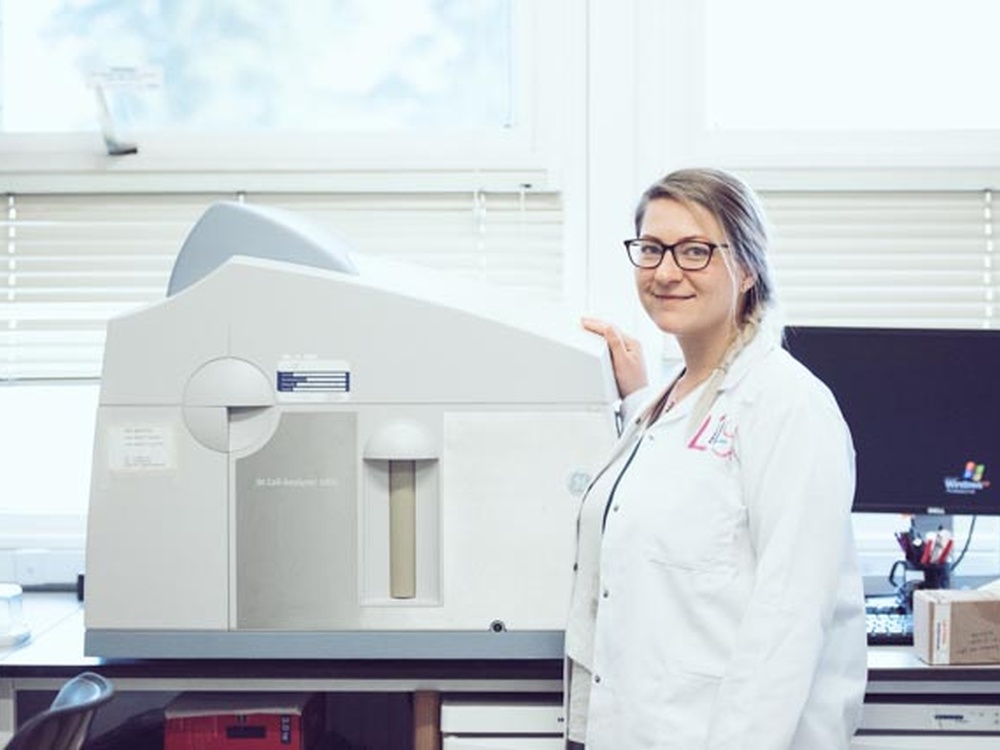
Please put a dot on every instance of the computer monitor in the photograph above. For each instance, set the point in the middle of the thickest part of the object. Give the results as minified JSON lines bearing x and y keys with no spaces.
{"x":922,"y":406}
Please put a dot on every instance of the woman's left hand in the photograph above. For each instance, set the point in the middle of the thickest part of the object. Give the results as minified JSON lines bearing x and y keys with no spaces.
{"x":626,"y":356}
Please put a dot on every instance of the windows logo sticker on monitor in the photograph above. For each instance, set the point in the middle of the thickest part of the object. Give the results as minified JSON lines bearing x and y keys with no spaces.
{"x":970,"y":482}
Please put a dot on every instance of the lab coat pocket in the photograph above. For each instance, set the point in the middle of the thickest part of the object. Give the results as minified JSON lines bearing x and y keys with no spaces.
{"x":699,"y":608}
{"x":700,"y":514}
{"x":705,"y":536}
{"x":686,"y":702}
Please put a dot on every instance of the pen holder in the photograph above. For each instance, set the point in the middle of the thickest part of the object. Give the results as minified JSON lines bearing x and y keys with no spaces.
{"x":932,"y":576}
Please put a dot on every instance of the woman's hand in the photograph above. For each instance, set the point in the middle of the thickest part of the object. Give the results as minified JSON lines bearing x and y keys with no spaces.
{"x":626,"y":356}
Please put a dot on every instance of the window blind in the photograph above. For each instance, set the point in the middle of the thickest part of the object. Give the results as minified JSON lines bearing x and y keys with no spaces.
{"x":893,"y":259}
{"x":510,"y":239}
{"x":71,"y":262}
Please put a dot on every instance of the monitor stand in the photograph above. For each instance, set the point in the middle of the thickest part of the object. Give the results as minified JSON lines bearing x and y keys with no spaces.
{"x":925,"y":523}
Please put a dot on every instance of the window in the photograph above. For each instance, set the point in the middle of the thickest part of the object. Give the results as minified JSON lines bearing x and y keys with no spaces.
{"x":253,"y":66}
{"x":310,"y":95}
{"x":44,"y":460}
{"x":777,"y":84}
{"x":248,"y":85}
{"x":858,"y":66}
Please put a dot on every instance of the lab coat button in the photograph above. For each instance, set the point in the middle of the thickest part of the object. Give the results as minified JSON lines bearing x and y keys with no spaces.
{"x":614,"y":508}
{"x":604,"y":593}
{"x":597,"y":678}
{"x":576,"y":567}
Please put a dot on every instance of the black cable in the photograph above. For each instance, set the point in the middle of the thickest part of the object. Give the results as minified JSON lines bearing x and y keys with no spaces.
{"x":614,"y":487}
{"x":968,"y":541}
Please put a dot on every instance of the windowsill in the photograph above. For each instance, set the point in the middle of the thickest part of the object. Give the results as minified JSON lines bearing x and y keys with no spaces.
{"x":504,"y":161}
{"x":47,"y":569}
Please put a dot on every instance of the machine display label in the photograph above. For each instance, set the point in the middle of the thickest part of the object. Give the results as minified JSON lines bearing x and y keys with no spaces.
{"x":313,"y":380}
{"x":141,"y":447}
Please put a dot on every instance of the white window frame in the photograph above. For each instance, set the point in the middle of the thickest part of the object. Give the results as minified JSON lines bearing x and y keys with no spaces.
{"x":795,"y":158}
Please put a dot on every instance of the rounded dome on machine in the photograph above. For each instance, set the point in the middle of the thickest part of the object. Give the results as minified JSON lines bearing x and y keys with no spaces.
{"x":230,"y":228}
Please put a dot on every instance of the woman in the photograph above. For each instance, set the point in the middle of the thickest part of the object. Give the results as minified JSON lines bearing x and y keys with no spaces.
{"x":717,"y":599}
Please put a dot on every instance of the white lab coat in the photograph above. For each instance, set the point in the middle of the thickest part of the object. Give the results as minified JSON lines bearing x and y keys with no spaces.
{"x":728,"y":608}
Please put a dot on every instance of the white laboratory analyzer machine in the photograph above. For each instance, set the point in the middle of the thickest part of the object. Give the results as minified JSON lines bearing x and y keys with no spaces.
{"x":305,"y":452}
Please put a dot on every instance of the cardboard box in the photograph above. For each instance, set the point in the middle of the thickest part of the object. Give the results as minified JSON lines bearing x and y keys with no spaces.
{"x":244,"y":721}
{"x":956,"y":626}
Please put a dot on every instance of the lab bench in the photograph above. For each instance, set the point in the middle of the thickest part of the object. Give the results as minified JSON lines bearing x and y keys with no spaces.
{"x":907,"y":701}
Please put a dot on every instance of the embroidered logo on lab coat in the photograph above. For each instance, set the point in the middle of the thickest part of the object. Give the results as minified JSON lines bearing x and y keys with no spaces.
{"x":716,"y":434}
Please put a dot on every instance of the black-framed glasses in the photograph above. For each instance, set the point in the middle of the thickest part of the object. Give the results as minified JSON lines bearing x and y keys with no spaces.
{"x":690,"y":255}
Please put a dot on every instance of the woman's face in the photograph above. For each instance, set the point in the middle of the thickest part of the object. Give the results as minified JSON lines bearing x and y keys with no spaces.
{"x":695,"y":305}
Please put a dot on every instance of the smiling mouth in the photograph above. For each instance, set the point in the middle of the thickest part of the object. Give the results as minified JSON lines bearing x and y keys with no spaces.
{"x":672,"y":297}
